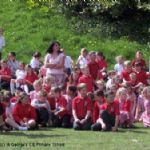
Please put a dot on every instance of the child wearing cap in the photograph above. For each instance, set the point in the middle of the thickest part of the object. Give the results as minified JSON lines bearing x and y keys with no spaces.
{"x":82,"y":109}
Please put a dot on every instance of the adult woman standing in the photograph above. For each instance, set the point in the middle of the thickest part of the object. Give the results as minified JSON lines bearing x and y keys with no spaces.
{"x":54,"y":62}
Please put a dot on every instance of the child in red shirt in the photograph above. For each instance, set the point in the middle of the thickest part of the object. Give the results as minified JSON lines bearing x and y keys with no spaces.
{"x":109,"y":115}
{"x":81,"y":109}
{"x":86,"y":78}
{"x":99,"y":100}
{"x":60,"y":116}
{"x":5,"y":75}
{"x":125,"y":108}
{"x":93,"y":65}
{"x":24,"y":114}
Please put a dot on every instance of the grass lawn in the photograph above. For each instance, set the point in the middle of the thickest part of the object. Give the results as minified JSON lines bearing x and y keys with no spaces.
{"x":68,"y":139}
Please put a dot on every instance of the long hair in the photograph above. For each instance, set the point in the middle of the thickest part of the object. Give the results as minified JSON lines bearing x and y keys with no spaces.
{"x":50,"y":48}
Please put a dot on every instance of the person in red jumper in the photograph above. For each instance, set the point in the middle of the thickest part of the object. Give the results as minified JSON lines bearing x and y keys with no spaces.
{"x":141,"y":75}
{"x":139,"y":59}
{"x":60,"y":116}
{"x":5,"y":75}
{"x":29,"y":79}
{"x":86,"y":78}
{"x":99,"y":100}
{"x":82,"y":109}
{"x":109,"y":114}
{"x":23,"y":113}
{"x":93,"y":65}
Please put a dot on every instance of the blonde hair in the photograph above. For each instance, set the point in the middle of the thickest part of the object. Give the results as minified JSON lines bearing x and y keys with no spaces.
{"x":81,"y":86}
{"x":120,"y":57}
{"x":127,"y":63}
{"x":48,"y":79}
{"x":120,"y":91}
{"x":145,"y":91}
{"x":37,"y":82}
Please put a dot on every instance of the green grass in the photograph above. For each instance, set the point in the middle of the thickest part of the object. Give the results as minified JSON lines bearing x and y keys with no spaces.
{"x":68,"y":139}
{"x":27,"y":30}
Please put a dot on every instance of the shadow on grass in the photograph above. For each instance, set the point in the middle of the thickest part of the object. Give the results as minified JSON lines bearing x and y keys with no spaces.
{"x":28,"y":135}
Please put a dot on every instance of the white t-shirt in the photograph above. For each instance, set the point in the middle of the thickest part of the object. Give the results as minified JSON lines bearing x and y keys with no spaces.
{"x":35,"y":63}
{"x":68,"y":62}
{"x":57,"y":60}
{"x":20,"y":74}
{"x":2,"y":42}
{"x":82,"y":61}
{"x":118,"y":68}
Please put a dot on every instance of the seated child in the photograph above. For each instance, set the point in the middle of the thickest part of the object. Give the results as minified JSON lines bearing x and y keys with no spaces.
{"x":82,"y":109}
{"x":42,"y":108}
{"x":23,"y":113}
{"x":60,"y":116}
{"x":109,"y":114}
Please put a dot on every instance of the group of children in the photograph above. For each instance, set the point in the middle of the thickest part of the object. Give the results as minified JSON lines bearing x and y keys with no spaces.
{"x":88,"y":96}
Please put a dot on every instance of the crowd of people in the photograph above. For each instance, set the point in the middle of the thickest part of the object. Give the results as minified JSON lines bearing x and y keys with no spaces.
{"x":83,"y":95}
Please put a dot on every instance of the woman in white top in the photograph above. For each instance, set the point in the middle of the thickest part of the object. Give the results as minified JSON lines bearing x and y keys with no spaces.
{"x":54,"y":62}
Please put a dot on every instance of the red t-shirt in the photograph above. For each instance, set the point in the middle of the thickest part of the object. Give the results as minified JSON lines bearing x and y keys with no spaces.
{"x":81,"y":106}
{"x":112,"y":109}
{"x":62,"y":102}
{"x":31,"y":78}
{"x":125,"y":106}
{"x":125,"y":75}
{"x":142,"y":62}
{"x":96,"y":111}
{"x":102,"y":64}
{"x":142,"y":77}
{"x":88,"y":81}
{"x":22,"y":112}
{"x":93,"y":68}
{"x":52,"y":102}
{"x":5,"y":71}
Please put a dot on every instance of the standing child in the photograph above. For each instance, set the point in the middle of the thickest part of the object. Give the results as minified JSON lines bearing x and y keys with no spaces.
{"x":83,"y":58}
{"x":120,"y":65}
{"x":93,"y":66}
{"x":2,"y":42}
{"x":82,"y":109}
{"x":86,"y":78}
{"x":35,"y":61}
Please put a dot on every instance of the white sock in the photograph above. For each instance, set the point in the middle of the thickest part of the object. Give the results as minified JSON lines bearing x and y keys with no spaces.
{"x":23,"y":128}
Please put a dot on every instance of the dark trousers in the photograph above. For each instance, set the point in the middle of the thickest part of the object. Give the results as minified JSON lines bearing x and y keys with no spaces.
{"x":108,"y":119}
{"x":64,"y":122}
{"x":85,"y":126}
{"x":42,"y":116}
{"x":5,"y":85}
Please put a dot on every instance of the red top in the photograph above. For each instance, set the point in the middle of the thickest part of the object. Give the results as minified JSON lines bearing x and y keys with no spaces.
{"x":88,"y":81}
{"x":142,"y":77}
{"x":52,"y":103}
{"x":96,"y":111}
{"x":6,"y":72}
{"x":125,"y":75}
{"x":24,"y":112}
{"x":93,"y":68}
{"x":81,"y":106}
{"x":142,"y":62}
{"x":31,"y":78}
{"x":62,"y":102}
{"x":102,"y":64}
{"x":125,"y":106}
{"x":113,"y":108}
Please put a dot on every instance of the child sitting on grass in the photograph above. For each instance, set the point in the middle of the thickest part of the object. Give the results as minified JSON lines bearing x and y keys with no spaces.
{"x":82,"y":109}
